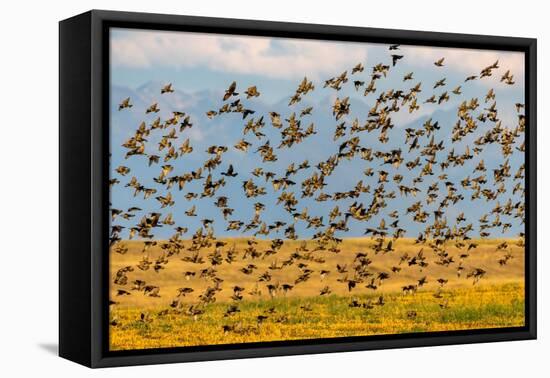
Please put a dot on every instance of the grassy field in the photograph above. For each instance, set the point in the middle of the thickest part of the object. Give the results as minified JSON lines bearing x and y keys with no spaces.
{"x":141,"y":321}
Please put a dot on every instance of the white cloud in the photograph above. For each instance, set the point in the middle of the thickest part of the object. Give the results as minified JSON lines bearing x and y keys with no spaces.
{"x":275,"y":58}
{"x":285,"y":57}
{"x":468,"y":61}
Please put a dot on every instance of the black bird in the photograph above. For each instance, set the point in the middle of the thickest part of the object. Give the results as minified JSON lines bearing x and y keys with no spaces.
{"x":395,"y":58}
{"x":230,"y":172}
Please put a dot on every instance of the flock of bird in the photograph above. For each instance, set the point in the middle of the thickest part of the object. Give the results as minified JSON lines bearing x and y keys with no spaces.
{"x":434,"y":159}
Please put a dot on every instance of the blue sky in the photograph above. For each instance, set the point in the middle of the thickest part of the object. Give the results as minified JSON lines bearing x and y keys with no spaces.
{"x":202,"y":66}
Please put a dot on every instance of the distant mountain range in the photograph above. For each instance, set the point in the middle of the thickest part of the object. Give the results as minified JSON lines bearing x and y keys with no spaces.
{"x":227,"y":129}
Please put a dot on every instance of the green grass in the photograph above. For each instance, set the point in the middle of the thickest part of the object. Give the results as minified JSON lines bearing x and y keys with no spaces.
{"x":476,"y":307}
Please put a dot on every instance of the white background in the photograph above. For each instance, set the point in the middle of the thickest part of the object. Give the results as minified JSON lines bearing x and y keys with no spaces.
{"x":29,"y":187}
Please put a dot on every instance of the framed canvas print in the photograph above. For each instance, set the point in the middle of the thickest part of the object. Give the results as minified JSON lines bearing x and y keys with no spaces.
{"x":233,"y":188}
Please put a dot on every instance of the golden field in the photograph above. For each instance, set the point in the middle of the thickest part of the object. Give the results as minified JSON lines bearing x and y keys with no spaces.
{"x":141,"y":321}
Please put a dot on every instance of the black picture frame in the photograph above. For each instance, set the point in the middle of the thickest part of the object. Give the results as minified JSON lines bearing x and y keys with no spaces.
{"x":84,"y":193}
